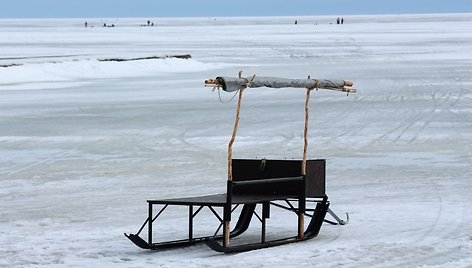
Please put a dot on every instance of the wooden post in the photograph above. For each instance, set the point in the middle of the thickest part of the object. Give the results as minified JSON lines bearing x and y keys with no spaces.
{"x":302,"y":197}
{"x":235,"y":130}
{"x":305,"y":132}
{"x":226,"y":231}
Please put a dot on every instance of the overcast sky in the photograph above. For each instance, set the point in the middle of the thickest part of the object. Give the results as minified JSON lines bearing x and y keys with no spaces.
{"x":219,"y":8}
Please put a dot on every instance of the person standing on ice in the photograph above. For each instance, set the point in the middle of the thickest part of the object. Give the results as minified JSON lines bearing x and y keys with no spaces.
{"x":337,"y":21}
{"x":342,"y":20}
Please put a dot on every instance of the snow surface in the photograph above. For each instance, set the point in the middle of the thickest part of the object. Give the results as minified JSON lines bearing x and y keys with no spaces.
{"x":84,"y":143}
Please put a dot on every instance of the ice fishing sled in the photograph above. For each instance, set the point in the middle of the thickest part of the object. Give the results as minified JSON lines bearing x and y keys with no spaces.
{"x":254,"y":187}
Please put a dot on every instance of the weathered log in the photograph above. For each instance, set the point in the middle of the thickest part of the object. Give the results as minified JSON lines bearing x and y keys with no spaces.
{"x":184,"y":56}
{"x":233,"y":84}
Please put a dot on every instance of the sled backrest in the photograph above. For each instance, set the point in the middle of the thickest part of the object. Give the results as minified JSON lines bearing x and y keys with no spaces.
{"x":278,"y":177}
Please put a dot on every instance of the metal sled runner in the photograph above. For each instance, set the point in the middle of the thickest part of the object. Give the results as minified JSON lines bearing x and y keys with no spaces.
{"x":294,"y":185}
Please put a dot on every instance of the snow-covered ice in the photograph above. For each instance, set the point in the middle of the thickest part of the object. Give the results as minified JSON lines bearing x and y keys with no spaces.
{"x":84,"y":143}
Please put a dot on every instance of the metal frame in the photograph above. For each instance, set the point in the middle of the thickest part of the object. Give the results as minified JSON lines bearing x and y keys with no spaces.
{"x":244,"y":219}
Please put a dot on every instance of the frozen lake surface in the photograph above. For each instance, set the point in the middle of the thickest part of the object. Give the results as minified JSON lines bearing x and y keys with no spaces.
{"x":84,"y":143}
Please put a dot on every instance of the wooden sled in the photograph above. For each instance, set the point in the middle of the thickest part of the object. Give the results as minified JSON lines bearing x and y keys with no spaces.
{"x":287,"y":184}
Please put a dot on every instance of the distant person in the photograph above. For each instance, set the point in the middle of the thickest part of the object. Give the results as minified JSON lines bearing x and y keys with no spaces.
{"x":104,"y":25}
{"x":342,"y":20}
{"x":86,"y":24}
{"x":296,"y":22}
{"x":148,"y":23}
{"x":337,"y":21}
{"x":152,"y":23}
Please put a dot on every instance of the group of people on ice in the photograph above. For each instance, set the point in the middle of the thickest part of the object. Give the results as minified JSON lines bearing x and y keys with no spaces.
{"x":338,"y":21}
{"x":149,"y":23}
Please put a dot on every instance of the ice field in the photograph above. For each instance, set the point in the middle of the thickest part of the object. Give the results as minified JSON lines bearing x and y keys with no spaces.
{"x":84,"y":143}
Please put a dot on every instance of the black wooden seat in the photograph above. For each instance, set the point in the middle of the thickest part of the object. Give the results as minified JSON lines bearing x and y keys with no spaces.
{"x":278,"y":178}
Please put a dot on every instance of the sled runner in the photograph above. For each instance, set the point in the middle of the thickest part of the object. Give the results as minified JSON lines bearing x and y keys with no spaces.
{"x":293,"y":185}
